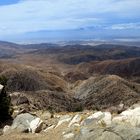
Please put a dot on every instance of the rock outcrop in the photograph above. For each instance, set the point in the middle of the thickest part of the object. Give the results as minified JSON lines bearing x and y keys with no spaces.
{"x":100,"y":92}
{"x":25,"y":123}
{"x":85,"y":125}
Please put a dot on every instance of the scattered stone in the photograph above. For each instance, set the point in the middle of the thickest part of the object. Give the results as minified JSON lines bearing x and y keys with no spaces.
{"x":16,"y":94}
{"x":76,"y":119}
{"x":109,"y":136}
{"x":6,"y":129}
{"x":98,"y":115}
{"x":119,"y":119}
{"x":106,"y":120}
{"x":68,"y":136}
{"x":131,"y":116}
{"x":36,"y":125}
{"x":98,"y":126}
{"x":25,"y":123}
{"x":49,"y":128}
{"x":126,"y":132}
{"x":22,"y":122}
{"x":89,"y":133}
{"x":63,"y":119}
{"x":116,"y":132}
{"x":1,"y":87}
{"x":22,"y":100}
{"x":93,"y":118}
{"x":46,"y":115}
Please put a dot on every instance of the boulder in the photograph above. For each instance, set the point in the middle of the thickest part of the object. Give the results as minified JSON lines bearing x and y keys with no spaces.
{"x":93,"y":118}
{"x":27,"y":122}
{"x":109,"y":136}
{"x":131,"y":116}
{"x":89,"y":133}
{"x":64,"y":119}
{"x":1,"y":87}
{"x":115,"y":132}
{"x":101,"y":118}
{"x":119,"y":119}
{"x":45,"y":115}
{"x":76,"y":119}
{"x":49,"y":128}
{"x":22,"y":100}
{"x":36,"y":125}
{"x":107,"y":119}
{"x":6,"y":129}
{"x":125,"y":132}
{"x":68,"y":136}
{"x":22,"y":122}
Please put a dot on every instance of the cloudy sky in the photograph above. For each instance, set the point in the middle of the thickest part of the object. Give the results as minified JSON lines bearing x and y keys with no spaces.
{"x":69,"y":19}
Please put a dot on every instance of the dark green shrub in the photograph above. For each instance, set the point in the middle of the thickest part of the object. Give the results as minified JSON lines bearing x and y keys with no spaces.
{"x":3,"y":80}
{"x":77,"y":107}
{"x":4,"y":106}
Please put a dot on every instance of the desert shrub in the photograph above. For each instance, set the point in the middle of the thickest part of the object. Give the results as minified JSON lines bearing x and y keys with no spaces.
{"x":4,"y":106}
{"x":77,"y":107}
{"x":3,"y":80}
{"x":26,"y":80}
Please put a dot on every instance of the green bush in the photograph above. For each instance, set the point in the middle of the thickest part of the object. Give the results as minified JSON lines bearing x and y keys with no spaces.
{"x":77,"y":107}
{"x":4,"y":106}
{"x":3,"y":80}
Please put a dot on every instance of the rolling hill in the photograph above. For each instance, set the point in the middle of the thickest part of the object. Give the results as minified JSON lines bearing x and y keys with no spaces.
{"x":124,"y":68}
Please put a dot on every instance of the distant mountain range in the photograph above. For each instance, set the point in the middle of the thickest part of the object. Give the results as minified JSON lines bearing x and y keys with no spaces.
{"x":83,"y":33}
{"x":68,"y":76}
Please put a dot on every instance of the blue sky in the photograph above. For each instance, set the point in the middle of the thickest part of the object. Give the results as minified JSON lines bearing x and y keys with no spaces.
{"x":6,"y":2}
{"x":70,"y":19}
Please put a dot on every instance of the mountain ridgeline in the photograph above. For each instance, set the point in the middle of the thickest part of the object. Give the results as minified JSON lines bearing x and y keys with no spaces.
{"x":70,"y":77}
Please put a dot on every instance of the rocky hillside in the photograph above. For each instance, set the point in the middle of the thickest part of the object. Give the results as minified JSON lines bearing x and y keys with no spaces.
{"x":75,"y":92}
{"x":98,"y":92}
{"x":54,"y":101}
{"x":105,"y":91}
{"x":28,"y":78}
{"x":9,"y":50}
{"x":85,"y":125}
{"x":71,"y":54}
{"x":124,"y":68}
{"x":75,"y":54}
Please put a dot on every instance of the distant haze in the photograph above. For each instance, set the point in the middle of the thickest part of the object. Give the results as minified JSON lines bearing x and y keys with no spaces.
{"x":40,"y":20}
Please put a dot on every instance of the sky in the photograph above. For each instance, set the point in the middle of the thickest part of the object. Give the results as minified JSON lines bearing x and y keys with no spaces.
{"x":22,"y":20}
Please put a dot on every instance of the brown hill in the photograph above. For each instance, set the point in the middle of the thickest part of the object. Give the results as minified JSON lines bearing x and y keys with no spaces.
{"x":74,"y":76}
{"x":27,"y":78}
{"x":47,"y":77}
{"x":51,"y":91}
{"x":75,"y":54}
{"x":123,"y":68}
{"x":45,"y":100}
{"x":8,"y":49}
{"x":106,"y":91}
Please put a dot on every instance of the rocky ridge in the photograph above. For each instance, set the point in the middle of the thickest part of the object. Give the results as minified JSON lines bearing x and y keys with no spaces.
{"x":86,"y":125}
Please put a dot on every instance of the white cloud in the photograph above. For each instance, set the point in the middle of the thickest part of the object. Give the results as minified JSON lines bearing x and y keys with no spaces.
{"x":125,"y":26}
{"x":35,"y":15}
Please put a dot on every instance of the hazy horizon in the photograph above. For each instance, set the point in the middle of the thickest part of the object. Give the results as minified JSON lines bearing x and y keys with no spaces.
{"x":49,"y":20}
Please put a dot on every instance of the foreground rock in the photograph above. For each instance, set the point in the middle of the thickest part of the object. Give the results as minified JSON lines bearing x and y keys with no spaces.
{"x":36,"y":125}
{"x":101,"y":118}
{"x":25,"y":123}
{"x":87,"y":125}
{"x":118,"y":132}
{"x":130,"y":116}
{"x":103,"y":126}
{"x":63,"y":119}
{"x":1,"y":87}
